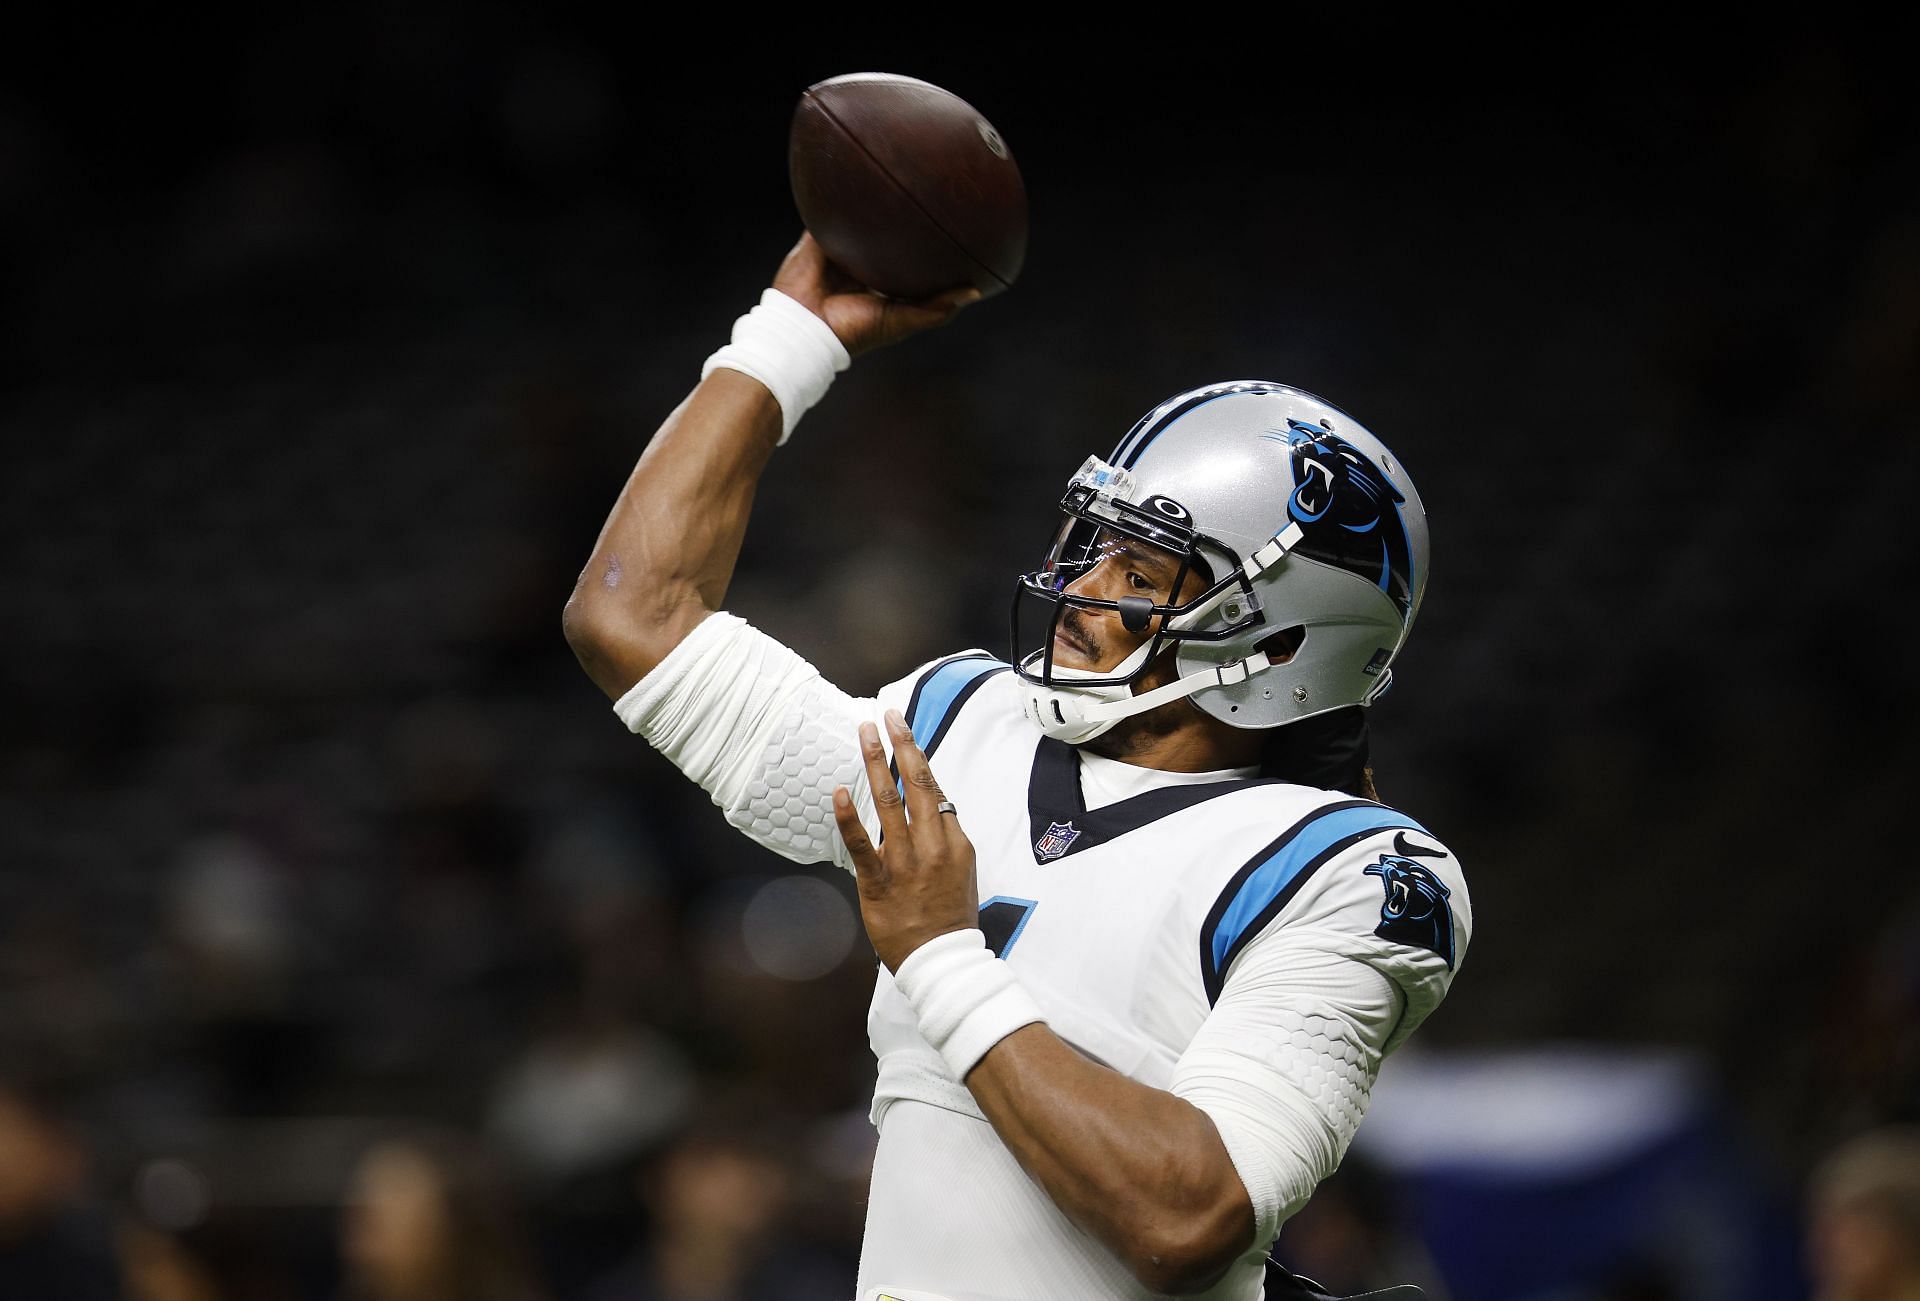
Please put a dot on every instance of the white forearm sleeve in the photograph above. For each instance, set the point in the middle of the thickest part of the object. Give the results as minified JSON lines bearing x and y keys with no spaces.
{"x":1285,"y":1063}
{"x":785,"y":346}
{"x":761,"y":732}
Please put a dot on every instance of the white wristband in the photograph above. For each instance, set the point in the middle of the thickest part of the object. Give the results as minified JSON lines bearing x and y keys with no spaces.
{"x":787,"y":348}
{"x":967,"y":999}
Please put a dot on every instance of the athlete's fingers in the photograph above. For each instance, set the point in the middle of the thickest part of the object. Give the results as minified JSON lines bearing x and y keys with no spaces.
{"x":923,"y":792}
{"x":923,"y":789}
{"x":886,"y":796}
{"x":903,"y":317}
{"x":869,"y":868}
{"x":803,"y":273}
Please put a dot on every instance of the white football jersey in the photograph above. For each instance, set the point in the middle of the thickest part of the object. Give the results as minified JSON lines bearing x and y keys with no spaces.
{"x":1124,"y":922}
{"x":1251,"y":946}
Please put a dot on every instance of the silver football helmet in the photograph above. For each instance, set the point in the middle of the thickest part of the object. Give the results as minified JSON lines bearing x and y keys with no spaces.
{"x":1304,"y":532}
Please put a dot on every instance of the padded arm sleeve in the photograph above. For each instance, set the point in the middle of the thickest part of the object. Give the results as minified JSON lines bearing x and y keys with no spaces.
{"x":1284,"y":1066}
{"x":761,"y":732}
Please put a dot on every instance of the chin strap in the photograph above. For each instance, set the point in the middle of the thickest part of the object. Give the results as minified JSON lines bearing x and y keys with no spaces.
{"x":1078,"y":714}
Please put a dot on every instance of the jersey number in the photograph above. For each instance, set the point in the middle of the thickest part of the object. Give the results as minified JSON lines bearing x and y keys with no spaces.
{"x":1002,"y":918}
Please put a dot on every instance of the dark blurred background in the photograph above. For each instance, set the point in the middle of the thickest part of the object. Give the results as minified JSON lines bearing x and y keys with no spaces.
{"x":350,"y":947}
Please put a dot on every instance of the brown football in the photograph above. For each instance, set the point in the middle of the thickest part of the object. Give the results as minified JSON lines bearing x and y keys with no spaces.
{"x":906,"y":187}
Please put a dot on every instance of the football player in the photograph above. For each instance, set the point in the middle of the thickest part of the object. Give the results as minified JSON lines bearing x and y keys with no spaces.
{"x":1144,"y":935}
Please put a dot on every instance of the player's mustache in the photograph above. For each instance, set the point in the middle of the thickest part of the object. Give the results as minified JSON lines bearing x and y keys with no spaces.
{"x":1073,"y":624}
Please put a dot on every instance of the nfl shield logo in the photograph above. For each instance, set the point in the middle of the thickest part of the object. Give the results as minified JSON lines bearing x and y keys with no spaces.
{"x":1059,"y":838}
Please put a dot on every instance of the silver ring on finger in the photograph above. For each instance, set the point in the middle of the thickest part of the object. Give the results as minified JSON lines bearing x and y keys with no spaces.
{"x":946,"y":806}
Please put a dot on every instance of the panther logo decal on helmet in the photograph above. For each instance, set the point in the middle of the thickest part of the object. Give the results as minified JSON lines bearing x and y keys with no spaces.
{"x":1348,"y":510}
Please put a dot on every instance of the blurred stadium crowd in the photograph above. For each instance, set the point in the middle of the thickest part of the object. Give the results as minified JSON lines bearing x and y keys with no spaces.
{"x":349,"y":948}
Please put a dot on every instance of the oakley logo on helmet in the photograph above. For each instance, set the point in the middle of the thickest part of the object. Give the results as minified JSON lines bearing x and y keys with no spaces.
{"x":1348,"y":510}
{"x":1167,"y":506}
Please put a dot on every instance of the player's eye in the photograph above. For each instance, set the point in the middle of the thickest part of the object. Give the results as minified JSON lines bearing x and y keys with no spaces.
{"x":1138,"y":581}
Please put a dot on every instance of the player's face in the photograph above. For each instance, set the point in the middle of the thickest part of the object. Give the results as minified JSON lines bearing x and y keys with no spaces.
{"x":1096,"y":640}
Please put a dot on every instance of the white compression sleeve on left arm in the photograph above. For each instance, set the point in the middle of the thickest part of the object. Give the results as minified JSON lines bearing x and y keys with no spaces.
{"x":760,"y":731}
{"x":1285,"y":1063}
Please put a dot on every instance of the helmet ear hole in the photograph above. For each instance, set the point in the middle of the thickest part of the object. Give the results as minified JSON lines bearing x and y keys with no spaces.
{"x":1136,"y":612}
{"x":1280,"y":647}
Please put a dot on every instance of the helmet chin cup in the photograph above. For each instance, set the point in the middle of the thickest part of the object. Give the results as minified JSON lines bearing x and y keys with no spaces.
{"x":1060,"y":712}
{"x":1060,"y":708}
{"x":1078,"y":714}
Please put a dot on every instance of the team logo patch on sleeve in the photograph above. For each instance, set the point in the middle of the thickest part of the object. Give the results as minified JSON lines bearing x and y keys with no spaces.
{"x":1415,"y":911}
{"x":1055,"y":841}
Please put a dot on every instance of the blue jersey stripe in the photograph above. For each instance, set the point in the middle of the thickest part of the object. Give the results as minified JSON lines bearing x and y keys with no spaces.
{"x":936,"y":697}
{"x":940,"y":689}
{"x":1298,"y":849}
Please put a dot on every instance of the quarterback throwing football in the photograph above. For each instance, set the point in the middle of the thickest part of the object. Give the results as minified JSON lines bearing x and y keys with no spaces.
{"x":1145,"y":936}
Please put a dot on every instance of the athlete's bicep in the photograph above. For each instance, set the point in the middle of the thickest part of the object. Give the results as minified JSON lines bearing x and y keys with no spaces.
{"x":762,"y":732}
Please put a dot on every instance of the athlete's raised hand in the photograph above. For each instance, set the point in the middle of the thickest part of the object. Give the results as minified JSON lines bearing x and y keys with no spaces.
{"x":919,"y":882}
{"x":863,"y":319}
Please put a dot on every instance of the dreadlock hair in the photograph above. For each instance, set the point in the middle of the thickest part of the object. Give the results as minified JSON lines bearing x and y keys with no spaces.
{"x":1329,"y":751}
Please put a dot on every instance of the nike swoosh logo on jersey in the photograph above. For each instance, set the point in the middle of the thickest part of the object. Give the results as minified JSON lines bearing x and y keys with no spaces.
{"x":1407,"y":849}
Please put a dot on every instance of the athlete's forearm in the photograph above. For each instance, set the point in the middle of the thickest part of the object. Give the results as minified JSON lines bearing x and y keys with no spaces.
{"x":667,"y":552}
{"x":1143,"y":1171}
